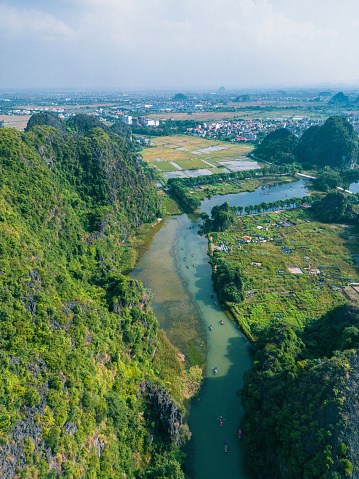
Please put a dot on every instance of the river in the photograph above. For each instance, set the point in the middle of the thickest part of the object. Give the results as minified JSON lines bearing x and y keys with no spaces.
{"x":176,"y":270}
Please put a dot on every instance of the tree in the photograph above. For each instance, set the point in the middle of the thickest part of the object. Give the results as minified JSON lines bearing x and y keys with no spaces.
{"x":335,"y":207}
{"x":327,"y":180}
{"x":223,"y":216}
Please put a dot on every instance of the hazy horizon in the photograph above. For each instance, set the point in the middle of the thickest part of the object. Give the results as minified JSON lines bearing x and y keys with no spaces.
{"x":191,"y":46}
{"x":330,"y":87}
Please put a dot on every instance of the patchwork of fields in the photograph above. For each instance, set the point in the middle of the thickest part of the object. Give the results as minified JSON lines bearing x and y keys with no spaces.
{"x":244,"y":111}
{"x":185,"y":156}
{"x":295,"y":268}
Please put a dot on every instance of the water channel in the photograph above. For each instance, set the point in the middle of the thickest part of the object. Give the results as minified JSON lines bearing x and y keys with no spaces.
{"x":182,"y":301}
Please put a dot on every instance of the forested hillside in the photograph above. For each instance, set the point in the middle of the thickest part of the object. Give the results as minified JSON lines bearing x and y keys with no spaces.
{"x":333,"y":144}
{"x":83,"y":367}
{"x":300,"y":399}
{"x":278,"y":147}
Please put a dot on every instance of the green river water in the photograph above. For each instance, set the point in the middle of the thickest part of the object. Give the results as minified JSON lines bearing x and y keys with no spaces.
{"x":181,"y":300}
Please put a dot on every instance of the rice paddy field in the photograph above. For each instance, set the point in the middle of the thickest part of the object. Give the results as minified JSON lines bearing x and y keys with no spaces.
{"x":185,"y":156}
{"x":15,"y":121}
{"x":296,"y":268}
{"x":248,"y":111}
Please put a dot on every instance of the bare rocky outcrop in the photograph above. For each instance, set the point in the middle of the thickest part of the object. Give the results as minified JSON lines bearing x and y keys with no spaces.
{"x":167,"y":413}
{"x":28,"y":429}
{"x":33,"y":287}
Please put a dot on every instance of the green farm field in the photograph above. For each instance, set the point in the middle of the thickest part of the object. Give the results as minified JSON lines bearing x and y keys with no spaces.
{"x":250,"y":111}
{"x":295,"y":268}
{"x":192,"y":153}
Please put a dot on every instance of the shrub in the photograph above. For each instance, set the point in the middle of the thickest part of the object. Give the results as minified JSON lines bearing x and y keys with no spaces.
{"x":32,"y":397}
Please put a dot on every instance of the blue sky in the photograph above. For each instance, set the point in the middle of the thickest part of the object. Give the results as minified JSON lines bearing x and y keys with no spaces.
{"x":183,"y":44}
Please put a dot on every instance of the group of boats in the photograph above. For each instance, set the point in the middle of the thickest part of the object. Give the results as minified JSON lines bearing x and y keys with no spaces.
{"x":185,"y":259}
{"x":226,"y":442}
{"x":211,"y":326}
{"x":215,"y":371}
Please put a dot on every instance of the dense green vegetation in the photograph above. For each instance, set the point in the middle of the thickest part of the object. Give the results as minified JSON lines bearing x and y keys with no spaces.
{"x":223,"y":216}
{"x":329,"y":178}
{"x":299,"y":399}
{"x":300,"y":395}
{"x":183,"y":195}
{"x":78,"y":124}
{"x":174,"y":127}
{"x":228,"y":279}
{"x":267,"y":170}
{"x":333,"y":144}
{"x":83,"y":369}
{"x":335,"y":208}
{"x":279,"y":147}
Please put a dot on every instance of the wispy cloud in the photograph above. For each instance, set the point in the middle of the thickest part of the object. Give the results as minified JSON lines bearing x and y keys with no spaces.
{"x":30,"y":23}
{"x":199,"y":42}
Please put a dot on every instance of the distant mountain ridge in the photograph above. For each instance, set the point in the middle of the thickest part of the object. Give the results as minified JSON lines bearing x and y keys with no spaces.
{"x":340,"y":98}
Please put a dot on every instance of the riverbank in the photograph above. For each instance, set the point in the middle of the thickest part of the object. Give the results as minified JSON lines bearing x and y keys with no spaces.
{"x":172,"y":204}
{"x":238,"y":186}
{"x":290,"y":270}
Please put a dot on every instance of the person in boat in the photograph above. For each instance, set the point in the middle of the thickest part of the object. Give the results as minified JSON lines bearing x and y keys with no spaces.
{"x":211,"y":327}
{"x":225,"y":446}
{"x":222,"y":322}
{"x":221,"y":420}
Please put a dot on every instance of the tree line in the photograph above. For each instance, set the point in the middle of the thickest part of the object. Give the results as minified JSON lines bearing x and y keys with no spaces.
{"x":267,"y":170}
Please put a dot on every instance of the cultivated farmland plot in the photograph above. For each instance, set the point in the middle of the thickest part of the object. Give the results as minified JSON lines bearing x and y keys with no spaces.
{"x":296,"y":268}
{"x":180,"y":155}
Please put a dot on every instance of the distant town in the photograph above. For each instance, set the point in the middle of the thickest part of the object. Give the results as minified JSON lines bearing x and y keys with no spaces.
{"x":220,"y":115}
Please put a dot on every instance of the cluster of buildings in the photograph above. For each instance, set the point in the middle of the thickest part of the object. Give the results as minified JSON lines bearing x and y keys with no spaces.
{"x":139,"y":121}
{"x":136,"y":110}
{"x":248,"y":130}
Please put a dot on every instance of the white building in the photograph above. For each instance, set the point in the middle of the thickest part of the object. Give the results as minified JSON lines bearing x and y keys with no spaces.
{"x":127,"y":119}
{"x":149,"y":122}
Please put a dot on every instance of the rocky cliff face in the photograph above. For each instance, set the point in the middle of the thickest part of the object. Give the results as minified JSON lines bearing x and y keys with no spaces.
{"x":167,"y":414}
